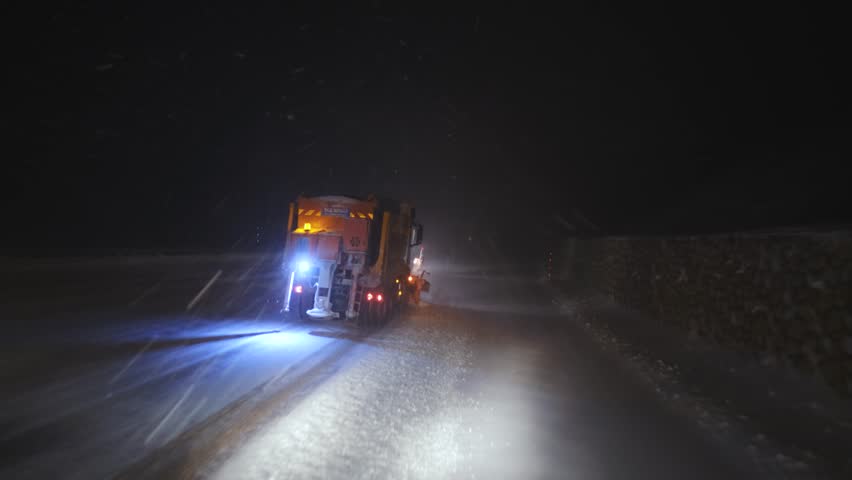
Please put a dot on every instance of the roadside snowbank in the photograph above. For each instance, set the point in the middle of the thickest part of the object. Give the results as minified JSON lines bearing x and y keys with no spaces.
{"x":791,"y":426}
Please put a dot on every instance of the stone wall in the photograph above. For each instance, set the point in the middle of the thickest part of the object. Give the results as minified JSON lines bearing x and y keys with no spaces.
{"x":783,"y":296}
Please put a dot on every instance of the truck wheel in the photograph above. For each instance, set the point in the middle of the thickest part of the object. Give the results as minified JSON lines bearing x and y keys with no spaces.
{"x":303,"y":311}
{"x":380,"y":315}
{"x":365,"y":314}
{"x":387,"y":312}
{"x":364,"y":318}
{"x":390,"y":309}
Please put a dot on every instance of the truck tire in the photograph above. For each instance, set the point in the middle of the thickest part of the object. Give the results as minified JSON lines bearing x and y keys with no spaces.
{"x":303,"y":309}
{"x":390,"y":310}
{"x":365,"y":314}
{"x":375,"y":314}
{"x":386,"y":313}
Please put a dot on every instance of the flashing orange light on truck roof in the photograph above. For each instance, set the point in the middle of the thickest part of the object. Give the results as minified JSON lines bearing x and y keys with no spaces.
{"x":307,"y":227}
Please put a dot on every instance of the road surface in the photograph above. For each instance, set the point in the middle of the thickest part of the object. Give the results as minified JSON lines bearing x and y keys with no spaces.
{"x":184,"y":367}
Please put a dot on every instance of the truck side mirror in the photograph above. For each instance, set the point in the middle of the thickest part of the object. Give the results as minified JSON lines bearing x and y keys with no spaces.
{"x":416,"y":234}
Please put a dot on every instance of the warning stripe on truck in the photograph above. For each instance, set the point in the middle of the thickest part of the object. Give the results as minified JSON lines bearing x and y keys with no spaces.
{"x":318,"y":213}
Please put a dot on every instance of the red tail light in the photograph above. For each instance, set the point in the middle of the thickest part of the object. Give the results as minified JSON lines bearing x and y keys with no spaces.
{"x":297,"y":289}
{"x":379,"y":297}
{"x":369,"y":296}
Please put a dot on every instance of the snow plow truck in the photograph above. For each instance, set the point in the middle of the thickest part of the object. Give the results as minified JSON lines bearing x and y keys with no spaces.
{"x":350,"y":258}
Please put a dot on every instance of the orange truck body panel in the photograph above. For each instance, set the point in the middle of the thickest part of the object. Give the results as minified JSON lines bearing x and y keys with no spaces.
{"x":358,"y":245}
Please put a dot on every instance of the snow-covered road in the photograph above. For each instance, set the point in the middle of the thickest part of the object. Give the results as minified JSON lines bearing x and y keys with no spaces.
{"x":489,"y":380}
{"x":458,"y":391}
{"x":103,"y":363}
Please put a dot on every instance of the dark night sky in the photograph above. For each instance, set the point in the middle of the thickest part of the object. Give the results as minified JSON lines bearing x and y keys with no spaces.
{"x":195,"y":124}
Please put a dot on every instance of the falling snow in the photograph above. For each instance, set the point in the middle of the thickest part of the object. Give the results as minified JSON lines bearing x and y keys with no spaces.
{"x":473,"y":384}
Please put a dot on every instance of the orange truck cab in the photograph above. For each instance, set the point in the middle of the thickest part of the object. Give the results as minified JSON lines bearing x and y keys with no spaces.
{"x":347,"y":257}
